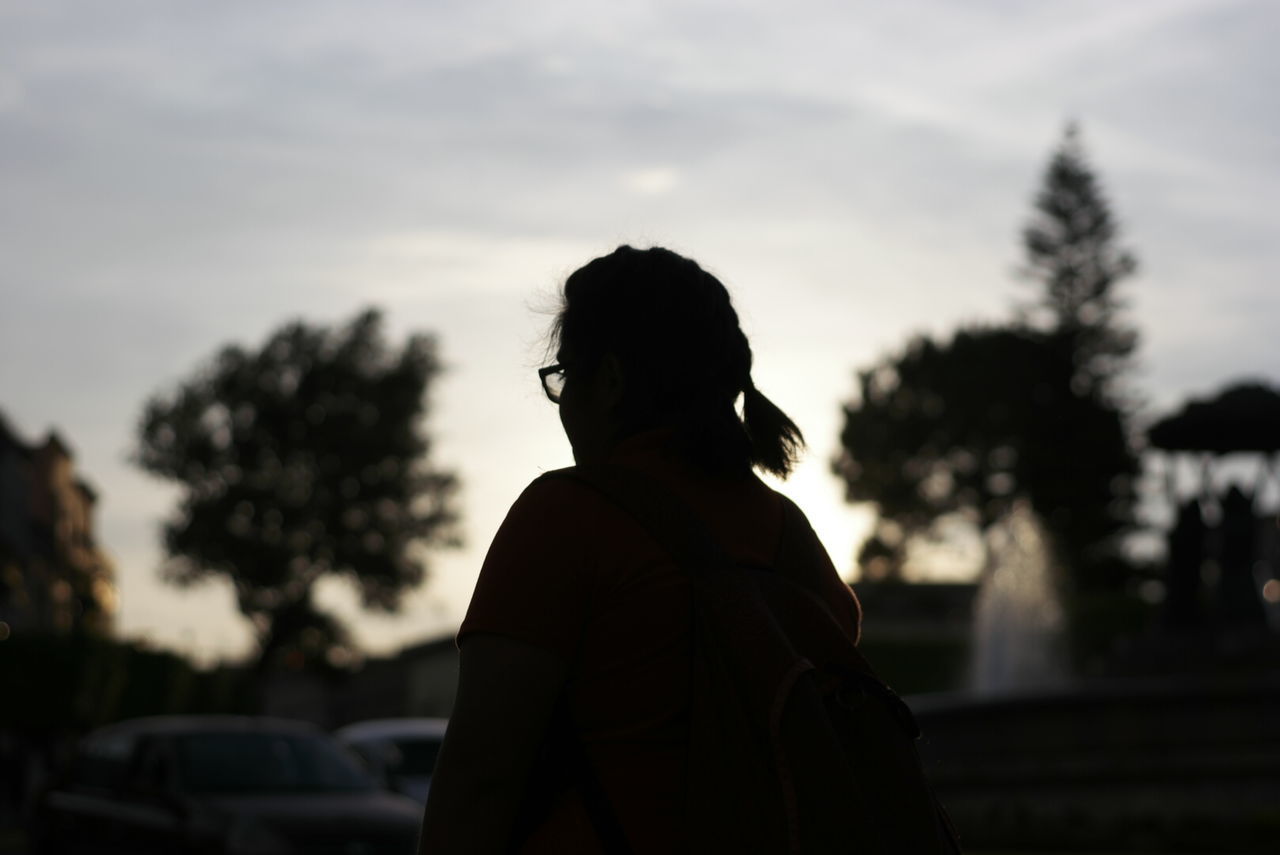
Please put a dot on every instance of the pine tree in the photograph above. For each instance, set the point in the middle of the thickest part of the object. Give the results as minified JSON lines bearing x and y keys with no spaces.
{"x":1030,"y":410}
{"x":1073,"y":256}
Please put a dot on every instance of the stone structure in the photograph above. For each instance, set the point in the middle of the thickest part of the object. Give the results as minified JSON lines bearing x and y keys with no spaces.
{"x":1150,"y":765}
{"x":54,"y":578}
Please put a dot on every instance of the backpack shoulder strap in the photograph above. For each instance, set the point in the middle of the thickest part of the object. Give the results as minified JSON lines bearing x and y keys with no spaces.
{"x":663,"y":515}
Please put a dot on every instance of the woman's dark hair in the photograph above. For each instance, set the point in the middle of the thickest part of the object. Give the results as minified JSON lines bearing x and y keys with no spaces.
{"x":674,"y":331}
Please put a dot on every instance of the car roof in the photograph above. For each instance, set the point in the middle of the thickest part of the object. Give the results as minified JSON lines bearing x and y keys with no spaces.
{"x":174,"y":725}
{"x":392,"y":728}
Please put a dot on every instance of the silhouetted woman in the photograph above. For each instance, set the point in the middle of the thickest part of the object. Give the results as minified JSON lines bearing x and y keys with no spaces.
{"x":574,"y":686}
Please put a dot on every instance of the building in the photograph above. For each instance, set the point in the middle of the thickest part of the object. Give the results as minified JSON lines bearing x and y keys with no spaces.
{"x":54,"y":578}
{"x":420,"y":680}
{"x":918,"y":635}
{"x":916,"y":610}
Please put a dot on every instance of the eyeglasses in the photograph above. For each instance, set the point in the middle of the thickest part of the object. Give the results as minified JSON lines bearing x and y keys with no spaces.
{"x":552,"y":378}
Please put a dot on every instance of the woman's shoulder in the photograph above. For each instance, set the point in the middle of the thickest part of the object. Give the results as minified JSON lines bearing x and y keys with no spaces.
{"x":556,"y":484}
{"x":792,"y":513}
{"x":560,"y":503}
{"x":573,"y":500}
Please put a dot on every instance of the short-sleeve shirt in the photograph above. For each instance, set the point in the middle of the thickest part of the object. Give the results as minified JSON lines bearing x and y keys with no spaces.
{"x":574,"y":574}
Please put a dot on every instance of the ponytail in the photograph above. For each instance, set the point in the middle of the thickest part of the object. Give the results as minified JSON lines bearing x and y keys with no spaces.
{"x":673,"y":329}
{"x":776,"y":442}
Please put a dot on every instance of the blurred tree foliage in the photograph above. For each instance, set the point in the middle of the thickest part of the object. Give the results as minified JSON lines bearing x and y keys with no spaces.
{"x":302,"y":459}
{"x":967,"y":426}
{"x":76,"y":682}
{"x":1242,"y":417}
{"x":1030,"y":409}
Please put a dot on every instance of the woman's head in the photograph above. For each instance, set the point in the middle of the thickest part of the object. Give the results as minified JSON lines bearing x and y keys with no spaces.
{"x":658,"y":339}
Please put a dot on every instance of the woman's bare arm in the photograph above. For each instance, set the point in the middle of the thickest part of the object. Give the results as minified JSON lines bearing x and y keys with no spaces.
{"x":506,"y":692}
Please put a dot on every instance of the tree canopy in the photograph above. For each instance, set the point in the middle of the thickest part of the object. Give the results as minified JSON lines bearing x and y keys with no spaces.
{"x":1243,"y":417}
{"x":301,"y":459}
{"x":969,"y":423}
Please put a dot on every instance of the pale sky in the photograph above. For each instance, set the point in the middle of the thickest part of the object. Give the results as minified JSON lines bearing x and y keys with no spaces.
{"x":176,"y":176}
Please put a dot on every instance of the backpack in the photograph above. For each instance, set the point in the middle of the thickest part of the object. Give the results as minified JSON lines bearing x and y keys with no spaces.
{"x":795,"y":745}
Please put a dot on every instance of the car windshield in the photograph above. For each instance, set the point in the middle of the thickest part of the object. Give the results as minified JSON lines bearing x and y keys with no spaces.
{"x":414,"y":756}
{"x":266,"y":763}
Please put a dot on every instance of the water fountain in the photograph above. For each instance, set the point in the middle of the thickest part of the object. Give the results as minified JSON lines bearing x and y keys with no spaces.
{"x":1018,"y":618}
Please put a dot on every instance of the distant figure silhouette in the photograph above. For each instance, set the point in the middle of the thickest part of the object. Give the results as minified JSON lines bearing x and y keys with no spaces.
{"x":1182,"y":607}
{"x":1239,"y":592}
{"x":583,"y":683}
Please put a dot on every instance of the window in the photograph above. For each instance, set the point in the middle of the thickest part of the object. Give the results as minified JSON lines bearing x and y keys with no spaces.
{"x":103,"y":761}
{"x":258,"y":762}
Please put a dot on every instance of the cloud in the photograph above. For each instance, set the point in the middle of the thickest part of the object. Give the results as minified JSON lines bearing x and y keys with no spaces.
{"x":180,"y":176}
{"x":651,"y":180}
{"x":12,"y":92}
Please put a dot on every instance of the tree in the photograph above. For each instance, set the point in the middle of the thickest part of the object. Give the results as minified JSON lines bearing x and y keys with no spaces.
{"x":965,"y":426}
{"x":302,"y":459}
{"x":1073,"y":258}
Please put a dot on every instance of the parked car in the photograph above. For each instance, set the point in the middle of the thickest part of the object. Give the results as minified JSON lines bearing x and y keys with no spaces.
{"x":229,"y":785}
{"x":400,"y":752}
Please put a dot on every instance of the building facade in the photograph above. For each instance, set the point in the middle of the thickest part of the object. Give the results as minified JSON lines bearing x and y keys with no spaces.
{"x":54,"y":577}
